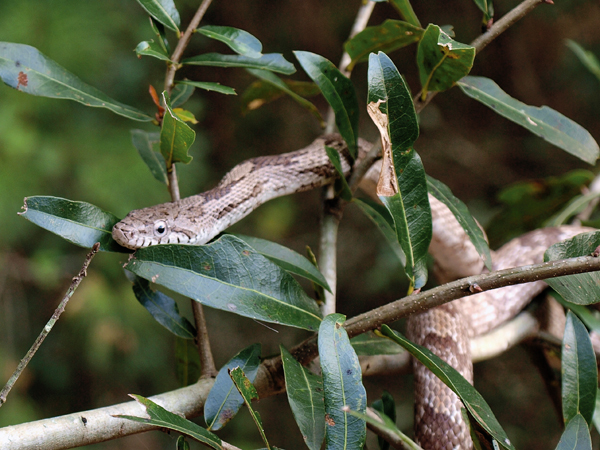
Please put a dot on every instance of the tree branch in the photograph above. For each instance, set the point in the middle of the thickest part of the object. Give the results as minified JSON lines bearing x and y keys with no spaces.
{"x":70,"y":431}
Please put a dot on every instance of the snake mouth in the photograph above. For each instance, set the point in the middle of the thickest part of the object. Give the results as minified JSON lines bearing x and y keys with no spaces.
{"x":121,"y":236}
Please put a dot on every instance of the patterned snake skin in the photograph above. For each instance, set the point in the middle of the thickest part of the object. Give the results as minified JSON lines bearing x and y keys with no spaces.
{"x":445,"y":330}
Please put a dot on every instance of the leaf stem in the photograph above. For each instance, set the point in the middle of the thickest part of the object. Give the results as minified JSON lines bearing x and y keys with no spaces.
{"x":57,"y":312}
{"x":207,"y":362}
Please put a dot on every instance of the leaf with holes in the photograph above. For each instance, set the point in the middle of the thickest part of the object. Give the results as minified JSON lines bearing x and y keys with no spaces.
{"x":579,"y":371}
{"x":305,"y":395}
{"x":402,"y":186}
{"x":391,"y":35}
{"x":583,"y":288}
{"x":160,"y":417}
{"x":342,"y":384}
{"x":544,"y":122}
{"x":472,"y":400}
{"x":274,"y":62}
{"x":163,"y":11}
{"x":339,"y":92}
{"x":240,"y":41}
{"x":230,"y":275}
{"x":176,"y":137}
{"x":224,"y":401}
{"x":26,"y":69}
{"x":441,"y":60}
{"x":81,"y":223}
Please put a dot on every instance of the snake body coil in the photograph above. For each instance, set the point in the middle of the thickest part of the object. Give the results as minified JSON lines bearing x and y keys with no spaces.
{"x":445,"y":330}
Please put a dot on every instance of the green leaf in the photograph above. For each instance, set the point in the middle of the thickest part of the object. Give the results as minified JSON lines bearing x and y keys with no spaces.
{"x":262,"y":92}
{"x":305,"y":395}
{"x":579,"y":371}
{"x":208,"y":86}
{"x":386,"y":406}
{"x":487,"y":7}
{"x":230,"y":275}
{"x":544,"y":122}
{"x":405,"y":10}
{"x":339,"y":92}
{"x":274,"y":62}
{"x":391,"y":107}
{"x":162,"y":307}
{"x":176,"y":137}
{"x":80,"y":223}
{"x":224,"y":401}
{"x":182,"y":444}
{"x":575,"y":206}
{"x":162,"y":418}
{"x":342,"y":383}
{"x":443,"y":193}
{"x":150,"y":48}
{"x":164,"y":11}
{"x":248,"y":392}
{"x":26,"y":69}
{"x":146,"y":144}
{"x":181,"y":93}
{"x":381,"y":217}
{"x":371,"y":344}
{"x":240,"y":41}
{"x":587,"y":58}
{"x":391,"y":35}
{"x":472,"y":400}
{"x":576,"y":435}
{"x":389,"y":426}
{"x":287,"y":259}
{"x":441,"y":60}
{"x":274,"y":81}
{"x":528,"y":205}
{"x":590,"y":318}
{"x":187,"y":362}
{"x":335,"y":158}
{"x":583,"y":288}
{"x":159,"y":31}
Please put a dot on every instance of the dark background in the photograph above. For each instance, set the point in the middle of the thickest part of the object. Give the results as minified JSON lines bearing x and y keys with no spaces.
{"x":106,"y":345}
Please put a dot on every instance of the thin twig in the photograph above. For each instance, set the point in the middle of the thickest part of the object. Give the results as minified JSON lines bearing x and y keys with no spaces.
{"x":57,"y":312}
{"x":182,"y":44}
{"x":206,"y":359}
{"x":333,"y":206}
{"x":499,"y":27}
{"x":207,"y":362}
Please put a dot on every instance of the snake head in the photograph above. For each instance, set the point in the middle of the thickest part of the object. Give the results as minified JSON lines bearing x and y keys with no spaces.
{"x":169,"y":223}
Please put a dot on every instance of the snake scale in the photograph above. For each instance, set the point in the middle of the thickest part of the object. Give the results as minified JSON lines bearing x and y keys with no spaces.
{"x":445,"y":330}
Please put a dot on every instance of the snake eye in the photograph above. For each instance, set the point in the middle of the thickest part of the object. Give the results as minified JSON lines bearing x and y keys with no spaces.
{"x":160,"y":228}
